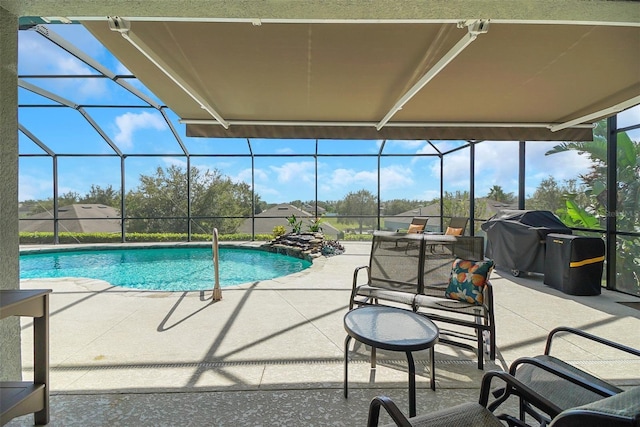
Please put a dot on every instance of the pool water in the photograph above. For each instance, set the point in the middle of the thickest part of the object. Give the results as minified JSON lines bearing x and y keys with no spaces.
{"x":166,"y":269}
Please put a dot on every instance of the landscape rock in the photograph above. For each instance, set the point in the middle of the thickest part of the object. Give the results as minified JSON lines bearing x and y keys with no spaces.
{"x":304,"y":245}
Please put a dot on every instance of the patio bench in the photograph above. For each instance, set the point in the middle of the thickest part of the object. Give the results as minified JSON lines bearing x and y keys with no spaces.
{"x":414,"y":270}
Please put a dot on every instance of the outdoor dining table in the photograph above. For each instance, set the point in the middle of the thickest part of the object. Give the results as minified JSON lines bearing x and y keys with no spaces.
{"x":393,"y":329}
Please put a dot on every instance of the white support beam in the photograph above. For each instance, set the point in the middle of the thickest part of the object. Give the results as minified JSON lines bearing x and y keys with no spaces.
{"x":36,"y":140}
{"x":124,"y":28}
{"x":73,"y":50}
{"x":474,"y":28}
{"x":45,"y":93}
{"x":598,"y":114}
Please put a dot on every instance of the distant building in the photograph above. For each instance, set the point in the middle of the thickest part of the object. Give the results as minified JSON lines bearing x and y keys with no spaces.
{"x":77,"y":218}
{"x":266,"y":220}
{"x":493,"y":206}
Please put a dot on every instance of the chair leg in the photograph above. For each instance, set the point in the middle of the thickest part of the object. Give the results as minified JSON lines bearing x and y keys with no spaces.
{"x":432,"y":356}
{"x":346,"y":365}
{"x":412,"y":385}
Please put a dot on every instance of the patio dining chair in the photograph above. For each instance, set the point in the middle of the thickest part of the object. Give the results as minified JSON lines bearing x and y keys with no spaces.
{"x":457,"y":226}
{"x":417,"y":225}
{"x":566,"y":385}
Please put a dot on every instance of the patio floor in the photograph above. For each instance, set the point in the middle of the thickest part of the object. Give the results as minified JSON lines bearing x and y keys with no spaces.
{"x":271,"y":353}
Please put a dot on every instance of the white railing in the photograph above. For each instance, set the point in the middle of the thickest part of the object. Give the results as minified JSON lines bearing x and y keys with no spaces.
{"x":217,"y":292}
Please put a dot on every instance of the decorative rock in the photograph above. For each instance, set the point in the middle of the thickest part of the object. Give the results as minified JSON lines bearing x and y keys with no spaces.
{"x":304,"y":245}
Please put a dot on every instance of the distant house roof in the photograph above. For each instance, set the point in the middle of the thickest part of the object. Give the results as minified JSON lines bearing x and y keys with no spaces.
{"x":430,"y":210}
{"x":266,"y":220}
{"x":493,"y":206}
{"x":311,"y":208}
{"x":402,"y":220}
{"x":77,"y":218}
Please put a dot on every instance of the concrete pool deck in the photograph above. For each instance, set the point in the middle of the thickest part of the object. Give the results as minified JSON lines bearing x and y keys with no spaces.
{"x":271,"y":353}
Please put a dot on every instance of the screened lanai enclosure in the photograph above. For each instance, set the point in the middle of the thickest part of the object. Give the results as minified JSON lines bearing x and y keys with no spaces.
{"x":135,"y":130}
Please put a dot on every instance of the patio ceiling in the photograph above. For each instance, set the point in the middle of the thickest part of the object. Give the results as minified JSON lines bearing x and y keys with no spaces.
{"x":473,"y":79}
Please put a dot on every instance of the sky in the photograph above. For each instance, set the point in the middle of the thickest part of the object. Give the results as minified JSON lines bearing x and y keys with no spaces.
{"x":139,"y":131}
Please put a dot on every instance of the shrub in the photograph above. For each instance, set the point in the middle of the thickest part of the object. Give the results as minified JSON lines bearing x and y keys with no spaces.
{"x":46,"y":238}
{"x":358,"y":237}
{"x":295,"y":224}
{"x":315,"y":225}
{"x":278,"y":231}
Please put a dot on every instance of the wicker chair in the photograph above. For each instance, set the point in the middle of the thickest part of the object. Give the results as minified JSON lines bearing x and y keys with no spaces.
{"x":562,"y":383}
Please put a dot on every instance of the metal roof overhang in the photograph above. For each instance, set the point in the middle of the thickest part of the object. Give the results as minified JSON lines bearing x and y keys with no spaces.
{"x":469,"y":80}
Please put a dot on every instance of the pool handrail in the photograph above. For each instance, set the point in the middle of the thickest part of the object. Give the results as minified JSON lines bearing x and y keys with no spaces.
{"x":217,"y":291}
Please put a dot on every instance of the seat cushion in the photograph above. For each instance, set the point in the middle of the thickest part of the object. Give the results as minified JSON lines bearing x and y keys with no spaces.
{"x":468,"y":279}
{"x":466,"y":414}
{"x":622,"y":409}
{"x":561,"y":392}
{"x":415,"y":228}
{"x":453,"y":231}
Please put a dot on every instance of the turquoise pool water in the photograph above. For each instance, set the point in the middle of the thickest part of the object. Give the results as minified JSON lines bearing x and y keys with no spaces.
{"x":166,"y":269}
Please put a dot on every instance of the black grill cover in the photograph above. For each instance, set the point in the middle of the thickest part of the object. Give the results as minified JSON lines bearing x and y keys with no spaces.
{"x":516,"y":238}
{"x":574,"y":264}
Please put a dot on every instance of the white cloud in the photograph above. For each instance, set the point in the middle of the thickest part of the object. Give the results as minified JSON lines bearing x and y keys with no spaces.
{"x":561,"y":166}
{"x":497,"y":163}
{"x":286,"y":150}
{"x":35,"y":56}
{"x":295,"y":172}
{"x":175,"y":161}
{"x":263,"y":187}
{"x":407,"y":144}
{"x":244,"y":175}
{"x":392,"y":177}
{"x":629,"y":117}
{"x":31,"y":187}
{"x":129,"y":123}
{"x":426,"y":148}
{"x":395,"y":177}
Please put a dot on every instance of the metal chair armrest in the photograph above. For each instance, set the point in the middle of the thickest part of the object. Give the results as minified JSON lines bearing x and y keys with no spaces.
{"x":568,"y":376}
{"x":391,"y":408}
{"x":517,"y":388}
{"x":600,"y":340}
{"x":354,"y":286}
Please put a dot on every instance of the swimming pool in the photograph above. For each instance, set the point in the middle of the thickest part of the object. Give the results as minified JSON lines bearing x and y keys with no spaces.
{"x":166,"y":269}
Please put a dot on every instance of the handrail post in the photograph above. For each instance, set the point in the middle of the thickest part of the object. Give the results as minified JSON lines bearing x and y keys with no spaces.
{"x":217,"y":292}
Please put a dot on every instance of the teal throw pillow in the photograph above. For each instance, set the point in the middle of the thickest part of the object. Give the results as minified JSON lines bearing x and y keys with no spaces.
{"x":468,"y":279}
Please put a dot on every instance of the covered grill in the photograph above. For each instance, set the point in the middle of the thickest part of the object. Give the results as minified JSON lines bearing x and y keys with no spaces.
{"x":516,"y":239}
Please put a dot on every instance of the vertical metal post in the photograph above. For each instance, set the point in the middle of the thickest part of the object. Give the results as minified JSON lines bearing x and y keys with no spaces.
{"x":379,"y":201}
{"x":217,"y":291}
{"x":472,"y":187}
{"x":56,"y":239}
{"x":521,"y":175}
{"x":123,"y":214}
{"x":253,"y":191}
{"x":316,"y":197}
{"x":612,"y":200}
{"x":441,"y":192}
{"x":188,"y":198}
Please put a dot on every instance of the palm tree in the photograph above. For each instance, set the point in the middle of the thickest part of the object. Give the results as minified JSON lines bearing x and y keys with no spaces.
{"x":497,"y":193}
